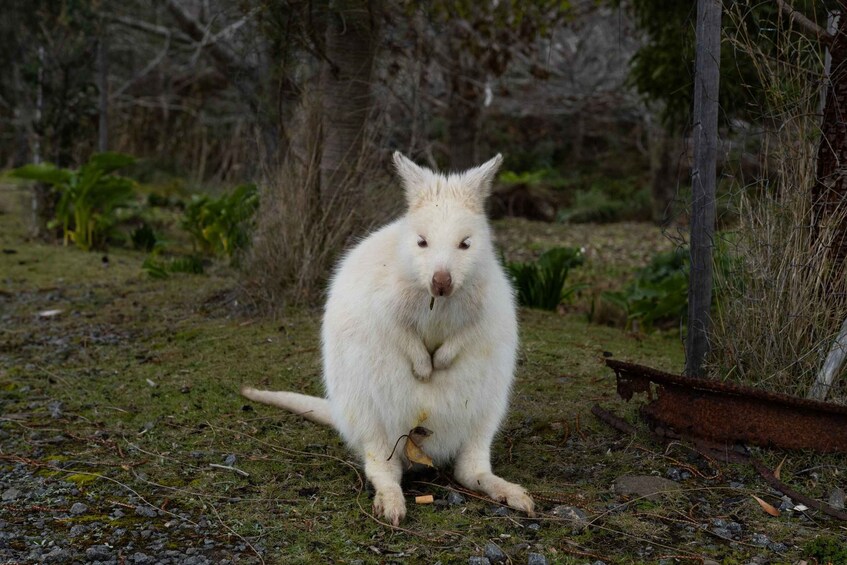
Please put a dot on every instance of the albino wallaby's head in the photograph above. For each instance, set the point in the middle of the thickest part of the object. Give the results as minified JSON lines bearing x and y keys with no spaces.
{"x":445,"y":234}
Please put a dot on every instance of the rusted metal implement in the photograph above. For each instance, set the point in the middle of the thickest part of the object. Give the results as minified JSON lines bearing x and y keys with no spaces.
{"x":731,"y":413}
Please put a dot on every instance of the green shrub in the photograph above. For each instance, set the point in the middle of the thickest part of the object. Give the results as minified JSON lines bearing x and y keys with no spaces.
{"x":88,"y":196}
{"x":659,"y":293}
{"x":541,"y":284}
{"x":593,"y":205}
{"x":826,"y":550}
{"x":220,"y":226}
{"x":143,"y":237}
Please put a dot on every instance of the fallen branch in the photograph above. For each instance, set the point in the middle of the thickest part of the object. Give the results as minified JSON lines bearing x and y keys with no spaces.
{"x":229,"y":468}
{"x":613,"y":421}
{"x":805,"y":23}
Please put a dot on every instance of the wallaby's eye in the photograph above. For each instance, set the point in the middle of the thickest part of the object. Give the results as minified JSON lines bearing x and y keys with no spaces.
{"x":465,"y":243}
{"x":421,"y":241}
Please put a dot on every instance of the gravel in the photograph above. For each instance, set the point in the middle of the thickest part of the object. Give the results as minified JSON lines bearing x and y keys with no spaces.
{"x":40,"y":523}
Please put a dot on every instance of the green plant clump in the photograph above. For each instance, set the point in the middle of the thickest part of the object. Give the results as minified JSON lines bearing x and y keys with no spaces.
{"x":659,"y":293}
{"x":220,"y":226}
{"x":159,"y":269}
{"x":88,"y":196}
{"x":541,"y":284}
{"x":826,"y":550}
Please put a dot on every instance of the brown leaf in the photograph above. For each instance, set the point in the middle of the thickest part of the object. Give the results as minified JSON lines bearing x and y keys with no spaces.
{"x":766,"y":507}
{"x":778,"y":469}
{"x":413,"y":451}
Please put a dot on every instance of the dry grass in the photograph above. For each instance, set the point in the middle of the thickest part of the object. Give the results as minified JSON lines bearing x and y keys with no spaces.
{"x":780,"y":302}
{"x":299,"y":235}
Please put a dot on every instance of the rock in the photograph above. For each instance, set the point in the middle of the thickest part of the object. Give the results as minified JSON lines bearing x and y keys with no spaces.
{"x":139,"y":557}
{"x":760,"y":539}
{"x":673,"y":474}
{"x":77,"y":530}
{"x":536,"y":559}
{"x":500,"y":511}
{"x":786,"y":504}
{"x":777,"y":547}
{"x":575,"y":515}
{"x":722,"y":532}
{"x":57,"y":555}
{"x":494,"y":554}
{"x":79,"y":508}
{"x":55,"y":408}
{"x":477,"y":560}
{"x":117,"y":513}
{"x":11,"y":493}
{"x":647,"y":486}
{"x":229,"y":460}
{"x":455,"y":499}
{"x":534,"y":527}
{"x":836,"y":498}
{"x":98,"y":553}
{"x":734,"y":527}
{"x":146,"y":511}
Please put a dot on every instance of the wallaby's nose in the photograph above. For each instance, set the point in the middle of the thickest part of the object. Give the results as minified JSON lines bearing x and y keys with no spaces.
{"x":442,"y":283}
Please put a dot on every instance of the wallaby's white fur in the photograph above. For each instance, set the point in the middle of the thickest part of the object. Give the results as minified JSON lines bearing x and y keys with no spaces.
{"x":391,"y":363}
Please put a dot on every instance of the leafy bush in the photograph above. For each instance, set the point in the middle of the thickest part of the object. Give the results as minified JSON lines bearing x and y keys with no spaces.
{"x":220,"y":226}
{"x":541,"y":284}
{"x":593,"y":205}
{"x":659,"y":293}
{"x":88,"y":196}
{"x":143,"y":237}
{"x":826,"y":550}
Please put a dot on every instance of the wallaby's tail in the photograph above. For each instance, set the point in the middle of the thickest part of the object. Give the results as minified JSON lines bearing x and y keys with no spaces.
{"x":310,"y":407}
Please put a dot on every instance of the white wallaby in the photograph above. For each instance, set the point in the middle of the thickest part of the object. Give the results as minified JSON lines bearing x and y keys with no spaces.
{"x":420,"y":329}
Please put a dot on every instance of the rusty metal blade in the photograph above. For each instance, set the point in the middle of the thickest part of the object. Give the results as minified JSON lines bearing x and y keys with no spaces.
{"x":731,"y":413}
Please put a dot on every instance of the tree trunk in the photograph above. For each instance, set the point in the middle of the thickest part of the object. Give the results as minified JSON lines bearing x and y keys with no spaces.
{"x":705,"y":132}
{"x":829,"y":195}
{"x":103,"y":87}
{"x":43,"y":198}
{"x":351,"y":40}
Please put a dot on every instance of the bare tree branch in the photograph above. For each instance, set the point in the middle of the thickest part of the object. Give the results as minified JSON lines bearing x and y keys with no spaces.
{"x":805,"y":23}
{"x":141,"y":25}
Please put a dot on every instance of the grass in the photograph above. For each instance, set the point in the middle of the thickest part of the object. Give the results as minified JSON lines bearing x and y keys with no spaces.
{"x":147,"y":373}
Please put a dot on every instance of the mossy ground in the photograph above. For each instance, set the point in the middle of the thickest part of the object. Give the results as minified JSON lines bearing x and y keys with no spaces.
{"x":147,"y":373}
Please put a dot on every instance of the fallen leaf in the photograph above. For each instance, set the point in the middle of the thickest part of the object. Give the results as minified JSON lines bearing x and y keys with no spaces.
{"x":765,"y":506}
{"x":413,"y":451}
{"x":49,"y":313}
{"x":778,"y":469}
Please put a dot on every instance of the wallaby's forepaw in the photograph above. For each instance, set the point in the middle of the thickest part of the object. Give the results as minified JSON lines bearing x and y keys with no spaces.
{"x":513,"y":495}
{"x":390,"y":505}
{"x":443,"y":358}
{"x":422,"y":367}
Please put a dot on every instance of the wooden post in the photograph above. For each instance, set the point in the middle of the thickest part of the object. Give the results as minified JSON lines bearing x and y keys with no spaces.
{"x":705,"y":133}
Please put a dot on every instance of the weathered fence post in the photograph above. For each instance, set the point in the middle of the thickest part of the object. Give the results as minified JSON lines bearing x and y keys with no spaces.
{"x":705,"y":133}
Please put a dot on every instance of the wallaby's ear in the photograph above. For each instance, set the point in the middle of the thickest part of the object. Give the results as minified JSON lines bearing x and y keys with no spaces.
{"x":414,"y":177}
{"x":481,"y":178}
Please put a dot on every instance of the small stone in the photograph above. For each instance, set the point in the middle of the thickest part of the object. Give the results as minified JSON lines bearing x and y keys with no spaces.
{"x":536,"y":559}
{"x":57,"y":555}
{"x":77,"y":530}
{"x":736,"y":484}
{"x":494,"y":554}
{"x":598,"y":562}
{"x":836,"y":498}
{"x":230,"y":460}
{"x":786,"y":504}
{"x":139,"y":557}
{"x":117,"y":513}
{"x":146,"y":511}
{"x":575,"y":515}
{"x":673,"y":474}
{"x":534,"y":527}
{"x":455,"y":499}
{"x":98,"y":553}
{"x":646,"y":486}
{"x":719,"y":523}
{"x":760,"y":539}
{"x":777,"y":547}
{"x":722,"y":533}
{"x":11,"y":494}
{"x":734,"y":527}
{"x":55,"y":408}
{"x":477,"y":560}
{"x":500,"y":511}
{"x":685,"y":475}
{"x":78,"y":508}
